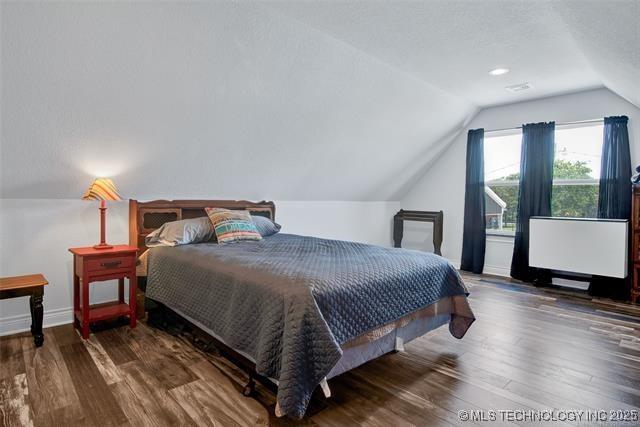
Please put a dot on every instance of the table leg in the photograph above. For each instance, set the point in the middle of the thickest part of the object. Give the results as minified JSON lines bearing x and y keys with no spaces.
{"x":76,"y":295}
{"x":121,"y":290}
{"x":85,"y":306}
{"x":437,"y":234}
{"x":133,"y":285}
{"x":37,"y":314}
{"x":398,"y":229}
{"x":33,"y":323}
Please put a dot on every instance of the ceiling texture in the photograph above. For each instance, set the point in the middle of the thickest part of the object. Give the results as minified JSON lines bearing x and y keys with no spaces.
{"x":280,"y":100}
{"x":556,"y":46}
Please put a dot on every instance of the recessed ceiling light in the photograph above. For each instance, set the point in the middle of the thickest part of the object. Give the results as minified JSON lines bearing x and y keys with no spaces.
{"x":499,"y":71}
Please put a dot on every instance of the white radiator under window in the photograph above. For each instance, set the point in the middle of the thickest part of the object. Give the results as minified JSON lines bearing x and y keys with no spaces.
{"x":579,"y":245}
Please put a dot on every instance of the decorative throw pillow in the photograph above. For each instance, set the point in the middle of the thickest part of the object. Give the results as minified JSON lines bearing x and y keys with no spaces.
{"x":265,"y":226}
{"x":182,"y":232}
{"x":232,"y":226}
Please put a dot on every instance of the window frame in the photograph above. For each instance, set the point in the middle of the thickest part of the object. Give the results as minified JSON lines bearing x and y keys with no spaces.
{"x":563,"y":182}
{"x":502,"y":183}
{"x":556,"y":182}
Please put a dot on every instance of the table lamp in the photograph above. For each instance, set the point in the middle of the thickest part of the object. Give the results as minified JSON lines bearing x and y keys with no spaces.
{"x":102,"y":189}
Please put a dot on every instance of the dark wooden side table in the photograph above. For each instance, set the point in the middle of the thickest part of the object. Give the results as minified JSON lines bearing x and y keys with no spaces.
{"x":96,"y":265}
{"x":32,"y":286}
{"x":436,"y":217}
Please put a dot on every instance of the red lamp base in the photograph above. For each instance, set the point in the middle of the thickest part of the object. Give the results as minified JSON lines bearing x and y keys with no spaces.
{"x":102,"y":246}
{"x":103,"y":225}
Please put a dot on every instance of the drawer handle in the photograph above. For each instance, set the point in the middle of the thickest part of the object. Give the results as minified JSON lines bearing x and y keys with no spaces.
{"x":111,"y":264}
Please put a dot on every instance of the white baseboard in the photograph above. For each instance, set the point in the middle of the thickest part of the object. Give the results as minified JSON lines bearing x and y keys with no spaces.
{"x":497,"y":270}
{"x":22,"y":323}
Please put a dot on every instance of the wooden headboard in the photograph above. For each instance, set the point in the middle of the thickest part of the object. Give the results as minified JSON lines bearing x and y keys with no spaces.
{"x":145,"y":217}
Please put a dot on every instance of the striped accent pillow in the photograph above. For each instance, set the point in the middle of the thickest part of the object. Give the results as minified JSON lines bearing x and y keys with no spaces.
{"x":232,"y":226}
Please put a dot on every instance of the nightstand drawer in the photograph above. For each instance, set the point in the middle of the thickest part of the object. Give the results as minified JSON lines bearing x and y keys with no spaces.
{"x":109,"y":264}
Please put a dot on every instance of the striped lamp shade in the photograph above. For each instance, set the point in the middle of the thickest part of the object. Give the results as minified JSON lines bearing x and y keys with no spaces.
{"x":102,"y":189}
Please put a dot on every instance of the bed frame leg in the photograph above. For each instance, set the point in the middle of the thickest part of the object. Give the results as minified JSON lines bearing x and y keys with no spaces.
{"x":250,"y":387}
{"x":399,"y":344}
{"x":278,"y":411}
{"x":325,"y":388}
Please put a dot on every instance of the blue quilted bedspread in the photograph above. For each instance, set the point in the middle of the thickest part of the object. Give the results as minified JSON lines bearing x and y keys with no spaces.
{"x":289,"y":301}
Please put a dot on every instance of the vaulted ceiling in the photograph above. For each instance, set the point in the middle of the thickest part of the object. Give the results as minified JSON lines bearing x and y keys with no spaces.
{"x":556,"y":46}
{"x":289,"y":101}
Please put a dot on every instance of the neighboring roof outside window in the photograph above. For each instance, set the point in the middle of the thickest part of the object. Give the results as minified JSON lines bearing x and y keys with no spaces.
{"x":489,"y":192}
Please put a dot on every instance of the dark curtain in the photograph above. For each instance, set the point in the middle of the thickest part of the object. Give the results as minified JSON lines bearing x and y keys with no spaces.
{"x":474,"y":235}
{"x":614,"y":196}
{"x":534,"y":196}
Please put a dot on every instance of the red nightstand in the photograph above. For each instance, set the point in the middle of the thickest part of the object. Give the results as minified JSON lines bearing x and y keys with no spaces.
{"x":95,"y":265}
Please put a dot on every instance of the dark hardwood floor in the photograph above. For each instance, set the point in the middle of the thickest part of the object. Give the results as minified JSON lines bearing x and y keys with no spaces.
{"x":530,"y":349}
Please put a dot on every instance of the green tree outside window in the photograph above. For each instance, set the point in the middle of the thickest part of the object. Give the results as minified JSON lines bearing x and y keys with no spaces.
{"x":577,"y":201}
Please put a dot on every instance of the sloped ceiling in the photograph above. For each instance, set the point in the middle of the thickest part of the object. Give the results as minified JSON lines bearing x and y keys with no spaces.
{"x":608,"y":35}
{"x":287,"y":101}
{"x":557,"y":46}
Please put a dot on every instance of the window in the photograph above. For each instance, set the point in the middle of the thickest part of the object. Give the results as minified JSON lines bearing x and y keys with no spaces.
{"x":501,"y":177}
{"x":576,"y":173}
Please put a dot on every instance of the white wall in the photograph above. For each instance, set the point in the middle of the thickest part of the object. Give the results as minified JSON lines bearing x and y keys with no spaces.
{"x":197,"y":98}
{"x":442,"y":187}
{"x":367,"y":222}
{"x":36,"y":234}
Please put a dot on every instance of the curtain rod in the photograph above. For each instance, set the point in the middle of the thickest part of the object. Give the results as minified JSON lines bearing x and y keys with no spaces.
{"x":557,"y":124}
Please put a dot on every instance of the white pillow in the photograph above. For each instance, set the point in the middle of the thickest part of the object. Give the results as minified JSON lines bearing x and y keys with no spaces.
{"x":182,"y":232}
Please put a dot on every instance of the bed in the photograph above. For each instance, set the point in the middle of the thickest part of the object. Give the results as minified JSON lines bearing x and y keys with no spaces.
{"x":300,"y":309}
